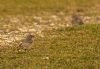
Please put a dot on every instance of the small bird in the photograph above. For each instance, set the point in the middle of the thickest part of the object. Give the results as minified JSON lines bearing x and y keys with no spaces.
{"x":76,"y":20}
{"x":27,"y":42}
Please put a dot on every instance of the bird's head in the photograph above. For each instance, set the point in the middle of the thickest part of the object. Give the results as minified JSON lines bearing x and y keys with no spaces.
{"x":30,"y":36}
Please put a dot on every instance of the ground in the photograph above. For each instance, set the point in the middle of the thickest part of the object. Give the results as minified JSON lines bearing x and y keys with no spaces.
{"x":71,"y":48}
{"x":58,"y":44}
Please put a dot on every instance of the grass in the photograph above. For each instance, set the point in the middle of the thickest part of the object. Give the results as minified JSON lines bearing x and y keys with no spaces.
{"x":64,"y":48}
{"x":34,"y":6}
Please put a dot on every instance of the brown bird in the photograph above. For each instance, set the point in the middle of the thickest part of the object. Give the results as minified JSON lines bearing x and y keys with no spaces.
{"x":76,"y":20}
{"x":27,"y":42}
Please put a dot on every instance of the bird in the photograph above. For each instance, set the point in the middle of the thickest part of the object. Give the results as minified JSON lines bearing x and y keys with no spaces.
{"x":27,"y":42}
{"x":76,"y":20}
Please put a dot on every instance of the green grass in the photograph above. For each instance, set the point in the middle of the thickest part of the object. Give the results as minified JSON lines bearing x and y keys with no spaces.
{"x":64,"y":48}
{"x":34,"y":6}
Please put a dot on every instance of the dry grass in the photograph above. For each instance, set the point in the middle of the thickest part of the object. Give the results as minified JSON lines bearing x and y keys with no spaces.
{"x":71,"y":48}
{"x":34,"y":6}
{"x":63,"y":48}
